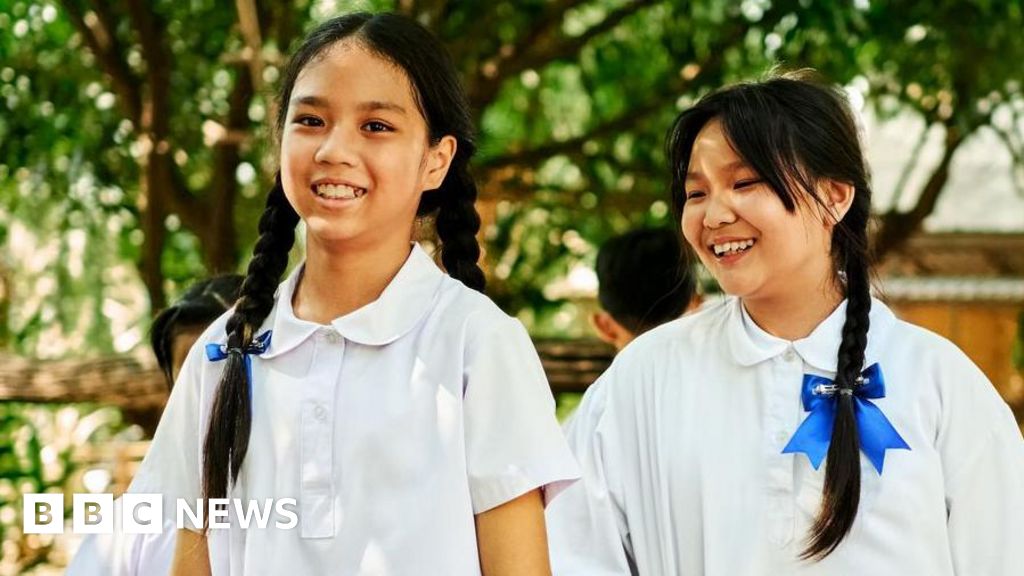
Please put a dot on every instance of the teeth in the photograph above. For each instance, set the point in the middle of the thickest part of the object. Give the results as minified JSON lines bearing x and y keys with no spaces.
{"x":732,"y":247}
{"x":339,"y":191}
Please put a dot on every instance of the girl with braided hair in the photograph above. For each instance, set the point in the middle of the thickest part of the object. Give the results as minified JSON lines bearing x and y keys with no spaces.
{"x":406,"y":415}
{"x":798,"y":427}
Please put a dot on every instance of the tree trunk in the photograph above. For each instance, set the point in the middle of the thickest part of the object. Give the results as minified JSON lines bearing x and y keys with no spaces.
{"x":896,"y":227}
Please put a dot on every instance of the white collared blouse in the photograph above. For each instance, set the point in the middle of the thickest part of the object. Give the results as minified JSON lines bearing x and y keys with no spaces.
{"x":683,"y":472}
{"x":391,"y":427}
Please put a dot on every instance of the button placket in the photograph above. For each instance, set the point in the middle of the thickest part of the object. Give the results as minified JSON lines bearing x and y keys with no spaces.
{"x":317,"y":424}
{"x":785,"y":378}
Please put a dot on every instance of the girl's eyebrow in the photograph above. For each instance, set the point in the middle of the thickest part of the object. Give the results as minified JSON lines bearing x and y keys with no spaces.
{"x":378,"y":105}
{"x":731,"y":167}
{"x":369,"y":106}
{"x":310,"y":100}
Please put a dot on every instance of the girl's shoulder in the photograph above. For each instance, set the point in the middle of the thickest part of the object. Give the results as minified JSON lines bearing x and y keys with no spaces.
{"x":681,"y":347}
{"x":460,"y":304}
{"x":470,"y":316}
{"x":925,"y":348}
{"x":939,"y":369}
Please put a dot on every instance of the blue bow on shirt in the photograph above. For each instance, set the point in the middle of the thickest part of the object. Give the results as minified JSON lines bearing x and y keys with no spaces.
{"x":876,"y":433}
{"x":259,"y":345}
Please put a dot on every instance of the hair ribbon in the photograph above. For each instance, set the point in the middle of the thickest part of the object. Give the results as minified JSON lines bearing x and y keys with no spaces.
{"x":875,"y":431}
{"x":259,"y":345}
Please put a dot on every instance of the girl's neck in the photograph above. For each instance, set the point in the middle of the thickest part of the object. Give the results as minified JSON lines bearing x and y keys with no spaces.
{"x":337,"y":281}
{"x":793,"y":317}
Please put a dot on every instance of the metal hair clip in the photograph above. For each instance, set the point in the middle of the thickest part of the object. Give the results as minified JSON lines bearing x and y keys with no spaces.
{"x":825,"y":389}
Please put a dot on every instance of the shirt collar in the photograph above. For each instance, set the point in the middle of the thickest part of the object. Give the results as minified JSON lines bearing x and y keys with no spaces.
{"x":750,"y":344}
{"x":407,"y":299}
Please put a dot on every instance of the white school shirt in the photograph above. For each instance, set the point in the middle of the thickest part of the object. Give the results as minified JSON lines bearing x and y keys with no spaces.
{"x":121,"y":554}
{"x":681,"y":443}
{"x":392,"y":427}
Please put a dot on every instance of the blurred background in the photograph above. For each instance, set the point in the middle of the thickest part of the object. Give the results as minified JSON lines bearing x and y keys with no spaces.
{"x":135,"y":155}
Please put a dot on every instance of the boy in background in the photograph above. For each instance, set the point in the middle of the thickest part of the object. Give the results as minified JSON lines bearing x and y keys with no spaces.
{"x":643,"y":281}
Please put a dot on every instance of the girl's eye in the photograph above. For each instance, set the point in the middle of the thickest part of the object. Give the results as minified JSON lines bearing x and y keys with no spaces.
{"x":747,"y":183}
{"x":694,"y":194}
{"x":309,"y":121}
{"x":377,"y":126}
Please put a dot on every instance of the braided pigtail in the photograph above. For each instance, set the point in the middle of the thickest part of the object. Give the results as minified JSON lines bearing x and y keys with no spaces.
{"x":841,"y":496}
{"x":227,"y":438}
{"x":457,"y":226}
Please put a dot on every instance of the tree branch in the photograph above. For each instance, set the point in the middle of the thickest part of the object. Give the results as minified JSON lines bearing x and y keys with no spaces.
{"x":1014,"y":143}
{"x":636,"y":113}
{"x":533,"y":155}
{"x":221,"y":238}
{"x":150,"y":31}
{"x":915,"y":154}
{"x":897,"y":226}
{"x":493,"y":73}
{"x":249,"y":23}
{"x":98,"y":30}
{"x":483,"y":28}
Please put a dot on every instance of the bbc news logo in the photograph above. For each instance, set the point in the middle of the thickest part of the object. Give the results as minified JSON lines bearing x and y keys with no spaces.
{"x":144,"y":514}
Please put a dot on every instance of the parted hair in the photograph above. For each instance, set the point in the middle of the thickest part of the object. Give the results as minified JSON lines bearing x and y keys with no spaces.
{"x":797,"y":133}
{"x":444,"y":106}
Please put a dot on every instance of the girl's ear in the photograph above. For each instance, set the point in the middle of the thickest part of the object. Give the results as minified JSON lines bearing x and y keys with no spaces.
{"x":439,"y":159}
{"x":838,"y":198}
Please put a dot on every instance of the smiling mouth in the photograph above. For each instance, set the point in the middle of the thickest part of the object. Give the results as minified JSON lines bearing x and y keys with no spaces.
{"x":338,"y":191}
{"x":731,"y":248}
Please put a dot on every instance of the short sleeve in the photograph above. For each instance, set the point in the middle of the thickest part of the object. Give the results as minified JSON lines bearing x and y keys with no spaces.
{"x":513,"y":441}
{"x":97,"y":556}
{"x":172,"y":466}
{"x":153,"y":554}
{"x":983,"y":458}
{"x":587,"y":534}
{"x":120,"y":554}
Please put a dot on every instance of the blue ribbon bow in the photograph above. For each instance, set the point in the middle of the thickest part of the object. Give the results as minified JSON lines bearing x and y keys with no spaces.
{"x":876,"y":433}
{"x":259,"y":345}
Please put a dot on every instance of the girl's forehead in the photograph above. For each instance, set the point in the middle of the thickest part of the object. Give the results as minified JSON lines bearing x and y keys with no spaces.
{"x":713,"y":147}
{"x":347,"y":70}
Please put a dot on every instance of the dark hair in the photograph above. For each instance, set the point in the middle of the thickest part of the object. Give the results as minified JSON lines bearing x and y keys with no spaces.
{"x":199,"y":306}
{"x":796,"y":133}
{"x":643,"y":279}
{"x":444,"y":106}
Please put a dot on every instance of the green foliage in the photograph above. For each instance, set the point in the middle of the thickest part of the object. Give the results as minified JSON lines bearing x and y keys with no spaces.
{"x":38,"y":448}
{"x":572,"y":99}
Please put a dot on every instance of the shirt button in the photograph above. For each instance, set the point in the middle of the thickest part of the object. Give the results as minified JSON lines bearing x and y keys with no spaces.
{"x":780,"y":437}
{"x":789,"y":355}
{"x":320,"y":413}
{"x":334,"y":338}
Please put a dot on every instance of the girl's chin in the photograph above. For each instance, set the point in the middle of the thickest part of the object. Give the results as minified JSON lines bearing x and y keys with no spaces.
{"x":325,"y":233}
{"x":738,"y":287}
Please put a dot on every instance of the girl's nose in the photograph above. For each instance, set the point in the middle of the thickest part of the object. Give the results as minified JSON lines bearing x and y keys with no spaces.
{"x":719,"y":211}
{"x":337,"y":147}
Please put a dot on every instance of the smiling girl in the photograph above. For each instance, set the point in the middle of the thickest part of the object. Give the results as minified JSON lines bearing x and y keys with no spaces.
{"x":798,"y":427}
{"x":407,"y":416}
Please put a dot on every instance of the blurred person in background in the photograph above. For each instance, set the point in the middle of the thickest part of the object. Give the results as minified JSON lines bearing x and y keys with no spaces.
{"x":644,"y":280}
{"x":174,"y":331}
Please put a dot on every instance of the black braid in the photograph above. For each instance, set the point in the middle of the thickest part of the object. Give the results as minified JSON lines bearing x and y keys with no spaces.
{"x":457,"y":226}
{"x":841,"y":496}
{"x":227,"y":439}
